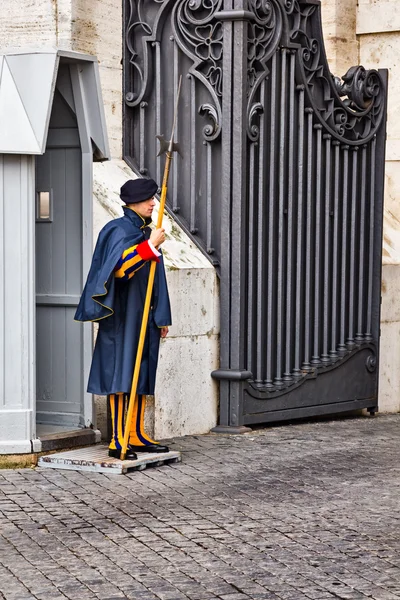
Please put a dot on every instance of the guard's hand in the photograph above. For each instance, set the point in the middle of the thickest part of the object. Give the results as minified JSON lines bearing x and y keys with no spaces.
{"x":164,"y":332}
{"x":157,"y":237}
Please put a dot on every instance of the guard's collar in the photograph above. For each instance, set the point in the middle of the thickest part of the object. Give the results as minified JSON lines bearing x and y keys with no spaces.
{"x":137,"y":219}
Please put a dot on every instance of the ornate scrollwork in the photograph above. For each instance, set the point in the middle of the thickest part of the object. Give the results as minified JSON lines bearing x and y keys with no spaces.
{"x":137,"y":28}
{"x":264,"y":33}
{"x":263,"y":37}
{"x":199,"y":35}
{"x":371,"y":363}
{"x":351,"y":108}
{"x":210,"y":131}
{"x":253,"y":130}
{"x":264,"y":11}
{"x":360,"y":87}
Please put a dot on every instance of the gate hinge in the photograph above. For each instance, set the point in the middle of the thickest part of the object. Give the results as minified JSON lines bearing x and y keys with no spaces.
{"x":231,"y":374}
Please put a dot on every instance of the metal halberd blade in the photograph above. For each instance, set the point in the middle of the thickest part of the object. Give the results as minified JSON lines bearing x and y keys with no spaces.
{"x":165,"y":146}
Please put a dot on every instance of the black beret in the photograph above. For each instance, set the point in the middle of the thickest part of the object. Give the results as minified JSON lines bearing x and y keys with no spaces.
{"x":138,"y":190}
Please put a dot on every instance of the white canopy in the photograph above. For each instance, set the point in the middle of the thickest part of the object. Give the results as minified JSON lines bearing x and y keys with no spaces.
{"x":27,"y":84}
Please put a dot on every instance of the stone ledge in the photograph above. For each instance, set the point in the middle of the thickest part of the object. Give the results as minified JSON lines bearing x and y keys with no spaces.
{"x":67,"y":440}
{"x":70,"y":439}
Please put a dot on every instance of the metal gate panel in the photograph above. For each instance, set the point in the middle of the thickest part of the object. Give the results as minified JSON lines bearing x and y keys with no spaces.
{"x":314,"y":266}
{"x":281,"y":183}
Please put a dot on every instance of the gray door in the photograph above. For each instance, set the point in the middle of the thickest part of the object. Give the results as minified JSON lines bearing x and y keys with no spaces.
{"x":59,"y":349}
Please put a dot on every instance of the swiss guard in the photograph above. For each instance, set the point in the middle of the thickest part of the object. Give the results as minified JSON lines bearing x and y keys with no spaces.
{"x":114,"y":296}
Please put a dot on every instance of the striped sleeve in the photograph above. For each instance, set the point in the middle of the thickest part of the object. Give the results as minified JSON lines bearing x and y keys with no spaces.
{"x":134,"y":258}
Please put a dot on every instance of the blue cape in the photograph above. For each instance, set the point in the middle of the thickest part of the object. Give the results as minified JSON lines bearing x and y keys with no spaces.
{"x":118,"y":307}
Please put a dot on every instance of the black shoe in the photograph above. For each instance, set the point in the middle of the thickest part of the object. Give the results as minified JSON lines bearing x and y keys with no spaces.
{"x":130,"y":455}
{"x":150,"y":448}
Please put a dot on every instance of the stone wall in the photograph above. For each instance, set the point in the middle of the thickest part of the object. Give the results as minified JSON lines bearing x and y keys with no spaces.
{"x":339,"y":24}
{"x":97,"y":30}
{"x":378,"y":32}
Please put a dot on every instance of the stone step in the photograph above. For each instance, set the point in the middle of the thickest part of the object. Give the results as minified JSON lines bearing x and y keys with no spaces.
{"x":68,"y":439}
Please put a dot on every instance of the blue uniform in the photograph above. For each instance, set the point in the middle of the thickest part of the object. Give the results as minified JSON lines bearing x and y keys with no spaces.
{"x":117,"y":305}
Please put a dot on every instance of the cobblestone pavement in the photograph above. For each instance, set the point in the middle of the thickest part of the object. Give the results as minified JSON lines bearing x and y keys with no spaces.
{"x":293,"y":512}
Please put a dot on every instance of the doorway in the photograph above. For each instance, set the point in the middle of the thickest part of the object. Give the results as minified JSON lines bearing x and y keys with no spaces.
{"x":59,"y":247}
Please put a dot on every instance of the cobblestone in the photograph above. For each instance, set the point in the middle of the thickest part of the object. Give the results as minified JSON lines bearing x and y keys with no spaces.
{"x":291,"y":512}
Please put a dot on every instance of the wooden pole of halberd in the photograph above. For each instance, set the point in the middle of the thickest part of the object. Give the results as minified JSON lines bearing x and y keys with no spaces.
{"x":146,"y":310}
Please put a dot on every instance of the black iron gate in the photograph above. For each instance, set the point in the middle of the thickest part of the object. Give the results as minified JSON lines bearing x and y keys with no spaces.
{"x":281,"y":185}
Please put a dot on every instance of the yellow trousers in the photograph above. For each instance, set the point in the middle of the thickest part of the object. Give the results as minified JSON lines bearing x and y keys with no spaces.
{"x":137,"y":434}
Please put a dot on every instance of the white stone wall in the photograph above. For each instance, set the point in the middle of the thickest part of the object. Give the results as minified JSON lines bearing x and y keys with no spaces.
{"x":186,"y":396}
{"x":35,"y":23}
{"x":378,"y":32}
{"x":341,"y":44}
{"x":367,"y":32}
{"x":97,"y":30}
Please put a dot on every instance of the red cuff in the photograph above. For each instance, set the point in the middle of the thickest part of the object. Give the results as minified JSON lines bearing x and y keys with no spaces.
{"x":145,"y":252}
